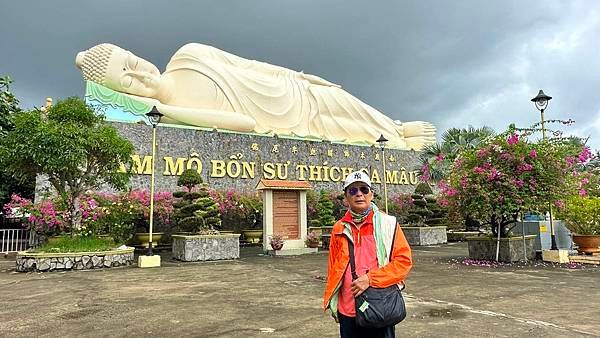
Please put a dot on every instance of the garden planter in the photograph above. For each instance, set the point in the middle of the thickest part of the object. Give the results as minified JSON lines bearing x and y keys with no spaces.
{"x":511,"y":249}
{"x":460,"y":236}
{"x":587,"y":244}
{"x":142,"y":238}
{"x":206,"y":247}
{"x":42,"y":261}
{"x":253,"y":235}
{"x":425,"y":235}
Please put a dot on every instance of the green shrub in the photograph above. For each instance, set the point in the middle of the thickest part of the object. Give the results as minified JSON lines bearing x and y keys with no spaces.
{"x":78,"y":244}
{"x":582,"y":215}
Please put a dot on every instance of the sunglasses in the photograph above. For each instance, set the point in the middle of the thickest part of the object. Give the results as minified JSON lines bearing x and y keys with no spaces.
{"x":354,"y":190}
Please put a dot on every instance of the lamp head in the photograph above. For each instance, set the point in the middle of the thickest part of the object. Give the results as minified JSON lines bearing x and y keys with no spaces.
{"x":541,"y":100}
{"x":154,"y":116}
{"x":381,"y":140}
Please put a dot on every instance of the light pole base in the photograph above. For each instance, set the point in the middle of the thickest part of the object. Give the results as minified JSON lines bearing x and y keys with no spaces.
{"x":555,"y":256}
{"x":149,"y":261}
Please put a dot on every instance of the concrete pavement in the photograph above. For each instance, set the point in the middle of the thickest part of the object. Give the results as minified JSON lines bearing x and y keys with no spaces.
{"x":263,"y":296}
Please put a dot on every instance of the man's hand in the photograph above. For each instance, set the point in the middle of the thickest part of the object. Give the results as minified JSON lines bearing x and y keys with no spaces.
{"x":360,"y":285}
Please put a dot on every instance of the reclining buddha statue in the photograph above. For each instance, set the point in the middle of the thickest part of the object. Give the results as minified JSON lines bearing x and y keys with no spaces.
{"x":207,"y":87}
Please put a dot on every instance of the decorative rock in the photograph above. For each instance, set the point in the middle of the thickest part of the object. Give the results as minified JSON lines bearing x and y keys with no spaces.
{"x":69,"y":264}
{"x":96,"y":261}
{"x":85,"y":260}
{"x":44,"y":265}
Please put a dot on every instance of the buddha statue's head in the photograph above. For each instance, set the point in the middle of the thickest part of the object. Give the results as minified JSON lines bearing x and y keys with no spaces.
{"x":118,"y":69}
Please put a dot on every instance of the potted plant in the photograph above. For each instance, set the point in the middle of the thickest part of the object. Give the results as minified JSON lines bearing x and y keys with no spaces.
{"x":276,"y":242}
{"x":312,"y":240}
{"x":581,"y":215}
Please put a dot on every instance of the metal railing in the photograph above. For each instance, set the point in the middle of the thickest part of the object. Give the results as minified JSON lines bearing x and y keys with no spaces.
{"x":13,"y":240}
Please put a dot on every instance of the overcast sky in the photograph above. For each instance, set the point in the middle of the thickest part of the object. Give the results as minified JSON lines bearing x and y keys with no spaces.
{"x":452,"y":63}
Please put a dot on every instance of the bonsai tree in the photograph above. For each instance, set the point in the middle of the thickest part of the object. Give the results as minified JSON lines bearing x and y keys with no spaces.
{"x":508,"y":174}
{"x":419,"y":213}
{"x":195,"y":211}
{"x":72,"y":146}
{"x":325,"y":210}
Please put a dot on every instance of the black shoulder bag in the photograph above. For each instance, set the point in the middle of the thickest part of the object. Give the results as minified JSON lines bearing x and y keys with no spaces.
{"x":377,"y":307}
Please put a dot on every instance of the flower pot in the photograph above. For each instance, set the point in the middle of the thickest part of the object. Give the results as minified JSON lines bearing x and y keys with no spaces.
{"x":587,"y":244}
{"x":142,"y":238}
{"x":253,"y":235}
{"x":277,"y":247}
{"x":312,"y":244}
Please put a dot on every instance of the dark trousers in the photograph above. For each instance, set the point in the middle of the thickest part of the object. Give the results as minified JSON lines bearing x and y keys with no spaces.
{"x":349,"y":329}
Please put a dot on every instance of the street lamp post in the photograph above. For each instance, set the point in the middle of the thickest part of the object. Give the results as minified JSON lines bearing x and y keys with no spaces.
{"x":382,"y":140}
{"x":154,"y":116}
{"x":541,"y":103}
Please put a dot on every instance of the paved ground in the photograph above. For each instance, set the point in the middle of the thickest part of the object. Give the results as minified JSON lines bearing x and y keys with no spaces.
{"x":261,"y":296}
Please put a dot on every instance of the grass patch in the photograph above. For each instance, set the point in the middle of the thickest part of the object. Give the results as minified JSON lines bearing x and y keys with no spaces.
{"x":77,"y":244}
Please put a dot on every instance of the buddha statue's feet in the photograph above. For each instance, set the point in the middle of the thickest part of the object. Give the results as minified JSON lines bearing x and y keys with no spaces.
{"x":418,"y":134}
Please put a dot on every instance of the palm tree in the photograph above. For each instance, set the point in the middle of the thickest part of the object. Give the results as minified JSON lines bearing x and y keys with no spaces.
{"x":454,"y":141}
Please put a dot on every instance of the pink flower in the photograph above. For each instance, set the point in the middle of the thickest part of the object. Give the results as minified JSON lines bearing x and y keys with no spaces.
{"x":519,"y":183}
{"x":533,"y":153}
{"x":481,"y":153}
{"x":585,"y":155}
{"x":582,"y":192}
{"x":513,"y":139}
{"x":439,"y":157}
{"x":559,"y":204}
{"x":506,"y":156}
{"x":478,"y":170}
{"x":425,"y":173}
{"x":494,"y":174}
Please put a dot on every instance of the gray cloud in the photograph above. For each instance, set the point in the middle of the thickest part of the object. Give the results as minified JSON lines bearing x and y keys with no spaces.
{"x":453,"y":63}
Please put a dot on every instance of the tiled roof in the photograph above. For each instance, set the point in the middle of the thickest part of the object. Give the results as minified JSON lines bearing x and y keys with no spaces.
{"x":283,"y":184}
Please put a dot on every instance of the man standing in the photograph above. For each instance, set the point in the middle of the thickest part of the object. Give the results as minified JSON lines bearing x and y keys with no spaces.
{"x":372,"y":233}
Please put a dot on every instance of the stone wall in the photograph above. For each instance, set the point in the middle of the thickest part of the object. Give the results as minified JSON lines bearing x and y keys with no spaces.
{"x":238,"y":160}
{"x":73,"y":261}
{"x":425,"y":235}
{"x":206,"y":247}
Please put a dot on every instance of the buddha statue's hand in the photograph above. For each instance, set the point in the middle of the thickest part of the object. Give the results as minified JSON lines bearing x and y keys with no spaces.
{"x":317,"y":80}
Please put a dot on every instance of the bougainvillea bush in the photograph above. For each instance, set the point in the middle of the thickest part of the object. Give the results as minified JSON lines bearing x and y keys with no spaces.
{"x":117,"y":215}
{"x":509,"y":174}
{"x":238,"y":210}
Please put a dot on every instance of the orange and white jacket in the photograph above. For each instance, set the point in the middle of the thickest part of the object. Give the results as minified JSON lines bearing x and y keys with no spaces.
{"x":393,"y":272}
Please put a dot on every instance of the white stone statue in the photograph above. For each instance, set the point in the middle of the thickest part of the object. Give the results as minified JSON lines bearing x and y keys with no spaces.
{"x":207,"y":87}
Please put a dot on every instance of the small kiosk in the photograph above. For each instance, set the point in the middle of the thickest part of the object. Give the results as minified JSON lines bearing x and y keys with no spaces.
{"x":284,"y":213}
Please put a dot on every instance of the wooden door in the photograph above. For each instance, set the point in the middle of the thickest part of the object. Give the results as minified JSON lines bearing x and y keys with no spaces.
{"x":285,"y":214}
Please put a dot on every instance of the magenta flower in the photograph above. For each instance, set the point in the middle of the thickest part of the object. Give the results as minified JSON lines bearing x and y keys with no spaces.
{"x":533,"y":153}
{"x":582,"y":192}
{"x":439,"y":157}
{"x":513,"y":139}
{"x":519,"y":183}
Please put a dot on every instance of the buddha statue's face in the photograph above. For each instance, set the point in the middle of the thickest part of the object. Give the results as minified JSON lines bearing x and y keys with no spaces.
{"x":124,"y":71}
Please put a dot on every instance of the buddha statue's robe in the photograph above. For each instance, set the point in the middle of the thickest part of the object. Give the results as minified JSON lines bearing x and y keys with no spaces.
{"x":279,"y":100}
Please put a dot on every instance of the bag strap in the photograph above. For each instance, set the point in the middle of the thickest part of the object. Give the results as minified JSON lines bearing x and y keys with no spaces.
{"x":351,"y":253}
